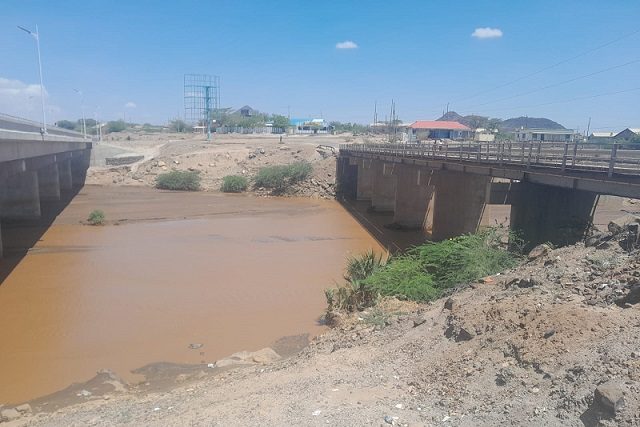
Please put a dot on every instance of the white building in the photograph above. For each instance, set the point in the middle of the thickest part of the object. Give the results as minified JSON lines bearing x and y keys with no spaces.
{"x":545,"y":135}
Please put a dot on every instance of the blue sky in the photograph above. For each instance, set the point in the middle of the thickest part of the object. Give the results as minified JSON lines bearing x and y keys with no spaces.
{"x":283,"y":55}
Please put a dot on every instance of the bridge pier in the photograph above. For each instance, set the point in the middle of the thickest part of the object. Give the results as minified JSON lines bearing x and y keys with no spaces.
{"x":80,"y":161}
{"x":459,"y":203}
{"x":49,"y":183}
{"x":365,"y":179}
{"x":414,"y":191}
{"x":21,"y":196}
{"x":542,"y":213}
{"x":64,"y":175}
{"x":383,"y":198}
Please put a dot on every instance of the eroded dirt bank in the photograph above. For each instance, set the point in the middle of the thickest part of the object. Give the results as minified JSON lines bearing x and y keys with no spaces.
{"x":527,"y":347}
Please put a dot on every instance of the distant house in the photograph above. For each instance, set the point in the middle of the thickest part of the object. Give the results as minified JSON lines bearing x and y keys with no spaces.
{"x":422,"y":130}
{"x":308,"y":126}
{"x":601,"y":137}
{"x":246,"y":111}
{"x":484,"y":135}
{"x":627,"y":134}
{"x":545,"y":135}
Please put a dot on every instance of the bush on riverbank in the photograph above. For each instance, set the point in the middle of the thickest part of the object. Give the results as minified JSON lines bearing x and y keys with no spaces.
{"x":234,"y":184}
{"x":179,"y":180}
{"x":96,"y":217}
{"x":280,"y":177}
{"x":423,"y":273}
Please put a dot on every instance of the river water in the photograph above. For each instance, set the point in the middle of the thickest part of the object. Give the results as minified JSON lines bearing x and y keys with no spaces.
{"x":231,"y":272}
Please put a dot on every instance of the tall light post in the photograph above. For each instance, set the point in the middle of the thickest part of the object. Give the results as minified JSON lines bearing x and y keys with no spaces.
{"x":84,"y":125}
{"x":36,"y":35}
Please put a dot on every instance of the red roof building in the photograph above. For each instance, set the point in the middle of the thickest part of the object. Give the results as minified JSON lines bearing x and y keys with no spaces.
{"x":425,"y":124}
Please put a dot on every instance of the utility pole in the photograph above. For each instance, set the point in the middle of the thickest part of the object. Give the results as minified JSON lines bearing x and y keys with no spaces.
{"x":84,"y":124}
{"x":36,"y":35}
{"x":588,"y":127}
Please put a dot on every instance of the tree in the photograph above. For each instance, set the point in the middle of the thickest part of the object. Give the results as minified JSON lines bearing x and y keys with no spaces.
{"x":178,"y":125}
{"x":66,"y":124}
{"x":116,"y":126}
{"x":279,"y":121}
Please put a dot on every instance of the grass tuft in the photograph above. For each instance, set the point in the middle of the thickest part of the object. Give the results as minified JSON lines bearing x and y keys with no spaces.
{"x":96,"y":217}
{"x":234,"y":184}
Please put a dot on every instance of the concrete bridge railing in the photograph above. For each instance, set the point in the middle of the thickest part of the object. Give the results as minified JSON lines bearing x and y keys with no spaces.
{"x":619,"y":159}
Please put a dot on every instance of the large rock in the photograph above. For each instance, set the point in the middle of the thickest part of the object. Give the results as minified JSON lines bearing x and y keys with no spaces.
{"x":609,"y":396}
{"x":9,"y":414}
{"x":264,"y":356}
{"x":539,"y":251}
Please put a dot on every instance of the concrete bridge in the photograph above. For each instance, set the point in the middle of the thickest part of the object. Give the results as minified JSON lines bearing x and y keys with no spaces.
{"x":36,"y":170}
{"x":552,"y":189}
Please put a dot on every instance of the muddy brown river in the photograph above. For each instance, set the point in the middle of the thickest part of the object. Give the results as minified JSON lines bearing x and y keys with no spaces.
{"x":169,"y":270}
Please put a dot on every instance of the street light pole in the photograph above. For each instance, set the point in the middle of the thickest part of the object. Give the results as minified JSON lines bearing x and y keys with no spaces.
{"x":36,"y":35}
{"x":84,"y":125}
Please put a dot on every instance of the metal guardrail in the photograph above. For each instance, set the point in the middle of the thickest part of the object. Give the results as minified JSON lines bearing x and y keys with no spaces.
{"x":564,"y":156}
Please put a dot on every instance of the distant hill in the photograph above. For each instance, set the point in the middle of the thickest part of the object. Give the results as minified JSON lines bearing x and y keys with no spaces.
{"x":474,"y":122}
{"x":531,"y":123}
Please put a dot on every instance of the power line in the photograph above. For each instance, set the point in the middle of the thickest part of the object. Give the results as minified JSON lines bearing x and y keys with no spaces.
{"x":564,"y":61}
{"x":580,"y":98}
{"x":556,"y":84}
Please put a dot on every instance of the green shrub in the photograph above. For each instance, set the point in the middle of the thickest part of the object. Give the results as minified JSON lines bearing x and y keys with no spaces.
{"x":179,"y":180}
{"x":423,"y":273}
{"x":279,"y":177}
{"x":403,"y":278}
{"x":234,"y":184}
{"x":96,"y":217}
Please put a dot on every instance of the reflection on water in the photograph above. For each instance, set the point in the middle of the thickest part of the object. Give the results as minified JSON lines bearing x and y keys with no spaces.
{"x":230,"y":272}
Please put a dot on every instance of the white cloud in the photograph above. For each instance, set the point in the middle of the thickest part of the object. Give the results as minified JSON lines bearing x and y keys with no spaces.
{"x":487,"y":33}
{"x":347,"y":44}
{"x":21,"y":99}
{"x":130,"y":104}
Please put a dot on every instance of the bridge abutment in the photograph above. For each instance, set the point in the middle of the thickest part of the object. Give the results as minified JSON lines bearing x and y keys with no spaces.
{"x":346,"y":178}
{"x":383,"y":198}
{"x":458,"y":204}
{"x":542,"y":213}
{"x":414,"y":191}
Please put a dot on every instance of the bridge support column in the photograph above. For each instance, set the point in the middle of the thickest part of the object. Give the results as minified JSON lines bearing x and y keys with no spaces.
{"x":383,"y":198}
{"x":459,"y":203}
{"x":21,"y":197}
{"x":49,"y":183}
{"x":346,"y":178}
{"x":414,"y":191}
{"x":79,"y":165}
{"x":64,"y":175}
{"x":542,"y":213}
{"x":365,"y":179}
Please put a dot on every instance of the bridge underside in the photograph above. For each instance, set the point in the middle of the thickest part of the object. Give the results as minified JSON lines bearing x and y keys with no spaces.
{"x":448,"y":203}
{"x":33,"y":187}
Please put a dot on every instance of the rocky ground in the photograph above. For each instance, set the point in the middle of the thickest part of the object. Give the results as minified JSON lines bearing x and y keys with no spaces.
{"x":555,"y":341}
{"x":226,"y":155}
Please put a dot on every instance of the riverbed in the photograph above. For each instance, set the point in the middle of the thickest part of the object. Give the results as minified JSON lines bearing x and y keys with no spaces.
{"x":172,"y":277}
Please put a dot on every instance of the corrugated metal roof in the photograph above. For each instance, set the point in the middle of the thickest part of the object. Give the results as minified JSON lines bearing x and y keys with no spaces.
{"x":603,"y":134}
{"x":425,"y":124}
{"x":548,"y":131}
